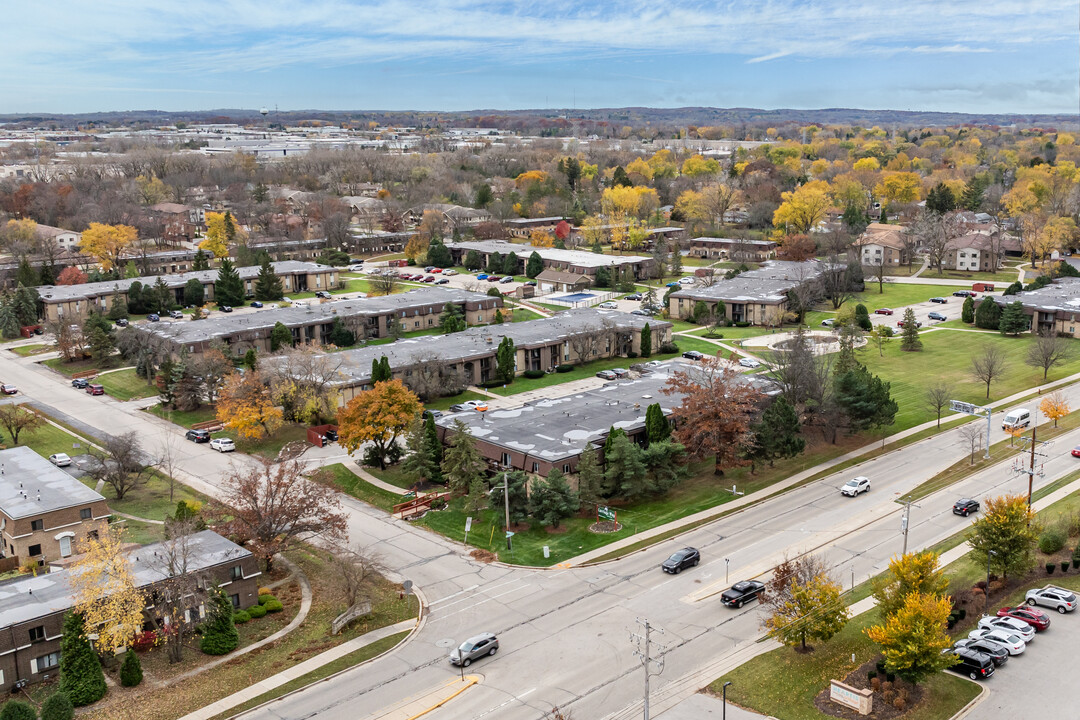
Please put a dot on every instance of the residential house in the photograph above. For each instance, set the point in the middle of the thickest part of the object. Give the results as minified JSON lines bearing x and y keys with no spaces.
{"x":66,"y":240}
{"x":758,"y":297}
{"x":550,"y":281}
{"x":881,"y":244}
{"x":973,"y":252}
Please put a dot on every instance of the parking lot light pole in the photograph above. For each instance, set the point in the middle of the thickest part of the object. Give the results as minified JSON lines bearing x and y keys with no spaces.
{"x":986,"y":603}
{"x":724,"y":714}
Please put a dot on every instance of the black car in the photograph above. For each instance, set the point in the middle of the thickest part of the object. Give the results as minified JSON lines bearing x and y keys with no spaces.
{"x":80,"y":383}
{"x":693,"y":355}
{"x":687,"y":557}
{"x":939,"y":300}
{"x":989,"y":648}
{"x":225,"y":308}
{"x":975,"y":665}
{"x":965,"y":506}
{"x":198,"y":436}
{"x":122,"y":322}
{"x":742,"y":592}
{"x":633,"y":296}
{"x":433,"y":414}
{"x":256,"y":304}
{"x":964,"y":294}
{"x":152,"y":317}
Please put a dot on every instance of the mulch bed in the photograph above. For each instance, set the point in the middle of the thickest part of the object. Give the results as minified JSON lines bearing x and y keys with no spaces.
{"x":605,"y":527}
{"x":882,"y":710}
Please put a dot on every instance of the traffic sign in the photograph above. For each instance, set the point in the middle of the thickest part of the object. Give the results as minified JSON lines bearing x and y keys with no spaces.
{"x":468,"y":524}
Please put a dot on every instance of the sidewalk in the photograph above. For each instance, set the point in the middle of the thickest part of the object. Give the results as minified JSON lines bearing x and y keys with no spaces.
{"x":426,"y":701}
{"x":355,"y":469}
{"x":753,"y":498}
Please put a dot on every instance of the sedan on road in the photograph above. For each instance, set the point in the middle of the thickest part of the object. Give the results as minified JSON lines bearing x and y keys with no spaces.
{"x":965,"y":294}
{"x":995,"y":650}
{"x":685,"y":558}
{"x":633,"y":296}
{"x":60,"y":459}
{"x":965,"y":506}
{"x":198,"y":436}
{"x":1012,"y":642}
{"x":855,"y":486}
{"x":883,"y":311}
{"x":935,"y":315}
{"x":1052,"y":596}
{"x":1008,"y":624}
{"x":223,"y":445}
{"x":938,"y":300}
{"x":473,"y":649}
{"x":742,"y":592}
{"x":477,"y":405}
{"x":693,"y":355}
{"x":1035,"y":618}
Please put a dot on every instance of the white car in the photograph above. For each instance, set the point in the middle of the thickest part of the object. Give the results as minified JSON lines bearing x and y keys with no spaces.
{"x":449,"y":272}
{"x":1008,"y":624}
{"x":356,"y":268}
{"x":1012,"y":642}
{"x":855,"y":486}
{"x":60,"y":460}
{"x":223,"y":444}
{"x":1052,"y":596}
{"x":687,"y":281}
{"x":609,"y":305}
{"x":828,"y":322}
{"x":749,"y":363}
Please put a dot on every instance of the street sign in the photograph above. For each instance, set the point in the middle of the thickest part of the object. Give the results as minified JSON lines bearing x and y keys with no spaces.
{"x":406,"y":585}
{"x":509,"y":534}
{"x":962,"y":407}
{"x":605,"y":513}
{"x":468,"y":524}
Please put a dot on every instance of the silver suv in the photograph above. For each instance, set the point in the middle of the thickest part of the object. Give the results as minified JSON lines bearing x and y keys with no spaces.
{"x":474,"y":648}
{"x":1052,"y":596}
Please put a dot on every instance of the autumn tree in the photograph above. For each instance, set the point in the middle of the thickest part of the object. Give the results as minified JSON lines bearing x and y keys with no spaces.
{"x":106,"y":243}
{"x":815,"y":610}
{"x":383,"y":284}
{"x":71,"y":276}
{"x":1054,"y":406}
{"x":15,"y":419}
{"x":802,"y":209}
{"x":914,"y":639}
{"x":914,"y":572}
{"x":541,"y":239}
{"x":221,"y":232}
{"x":181,"y":589}
{"x":1048,"y":350}
{"x":715,"y":415}
{"x":988,"y":364}
{"x":1006,"y":533}
{"x":379,"y":416}
{"x":103,"y":586}
{"x":246,"y":405}
{"x":121,"y":463}
{"x":415,"y":249}
{"x":272,"y":505}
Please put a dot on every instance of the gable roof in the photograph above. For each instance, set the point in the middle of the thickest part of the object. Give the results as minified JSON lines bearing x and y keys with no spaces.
{"x":882,"y":234}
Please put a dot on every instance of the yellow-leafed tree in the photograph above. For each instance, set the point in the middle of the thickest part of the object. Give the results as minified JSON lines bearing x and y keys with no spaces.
{"x":103,"y":585}
{"x":899,"y":187}
{"x":1055,"y":406}
{"x":107,"y":242}
{"x":245,"y":404}
{"x":151,"y":190}
{"x":221,"y":232}
{"x":1004,"y":538}
{"x":541,"y":239}
{"x":379,"y":416}
{"x":814,"y":611}
{"x":913,"y":638}
{"x":914,"y":572}
{"x":696,"y":166}
{"x":417,"y":247}
{"x":637,"y":202}
{"x":802,"y":208}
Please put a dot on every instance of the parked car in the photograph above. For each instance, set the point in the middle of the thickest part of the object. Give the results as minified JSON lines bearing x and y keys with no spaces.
{"x":122,"y":322}
{"x":749,"y":363}
{"x":681,"y":559}
{"x":1037,"y":619}
{"x":443,"y":281}
{"x":742,"y":592}
{"x":939,"y":300}
{"x":433,"y":414}
{"x":325,"y":295}
{"x":1052,"y":596}
{"x":606,"y":375}
{"x":256,"y":304}
{"x":965,"y":293}
{"x":936,"y":315}
{"x":507,"y":279}
{"x":974,"y":664}
{"x":965,"y":506}
{"x":855,"y":486}
{"x":437,"y":271}
{"x":473,"y":649}
{"x":687,"y":281}
{"x":901,"y":324}
{"x":176,"y":315}
{"x":429,"y":278}
{"x":152,"y":317}
{"x":609,"y":305}
{"x":992,"y":649}
{"x":8,"y":389}
{"x":620,"y":372}
{"x":429,"y":268}
{"x":653,"y":364}
{"x":60,"y":459}
{"x":1011,"y":641}
{"x":531,"y":283}
{"x":672,"y":284}
{"x":449,"y":271}
{"x":693,"y":355}
{"x":828,"y":322}
{"x":639,"y":311}
{"x":225,"y":308}
{"x":482,"y":276}
{"x":223,"y":445}
{"x":477,"y":405}
{"x":80,"y":383}
{"x":1008,"y":624}
{"x":198,"y":436}
{"x":883,"y":311}
{"x":357,"y":266}
{"x":634,"y":296}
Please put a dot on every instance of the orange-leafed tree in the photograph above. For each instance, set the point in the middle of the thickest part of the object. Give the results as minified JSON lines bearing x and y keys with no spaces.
{"x":797,"y":248}
{"x":562,"y":230}
{"x":540,"y":238}
{"x":71,"y":276}
{"x":246,"y":405}
{"x":416,"y":247}
{"x":105,"y":243}
{"x":379,"y":416}
{"x":1055,"y":407}
{"x":716,"y":413}
{"x":270,"y":506}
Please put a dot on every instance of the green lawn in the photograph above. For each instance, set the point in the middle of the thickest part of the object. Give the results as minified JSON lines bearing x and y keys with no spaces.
{"x":28,"y":350}
{"x":393,"y":475}
{"x":344,"y":480}
{"x":126,"y":385}
{"x":521,"y":314}
{"x":70,"y":368}
{"x":898,"y":295}
{"x":184,"y":419}
{"x":48,"y":440}
{"x":150,"y":501}
{"x":1005,"y":277}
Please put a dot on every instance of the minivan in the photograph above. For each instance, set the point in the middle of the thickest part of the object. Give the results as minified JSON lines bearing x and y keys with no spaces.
{"x":1016,"y":419}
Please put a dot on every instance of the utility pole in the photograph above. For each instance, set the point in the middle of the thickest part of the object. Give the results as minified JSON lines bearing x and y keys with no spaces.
{"x":1031,"y":467}
{"x":506,"y":500}
{"x":1030,"y":470}
{"x":642,"y":652}
{"x":905,"y":522}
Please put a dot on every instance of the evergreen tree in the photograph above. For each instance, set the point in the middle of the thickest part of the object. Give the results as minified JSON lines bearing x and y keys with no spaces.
{"x":339,"y":334}
{"x":510,"y":264}
{"x":494,"y":265}
{"x":9,"y":322}
{"x":164,"y":295}
{"x":484,"y":196}
{"x":701,"y":313}
{"x":519,"y":496}
{"x":909,"y":339}
{"x":505,"y":361}
{"x":473,"y":261}
{"x":421,"y":463}
{"x":431,"y":438}
{"x":865,"y":399}
{"x":131,"y":670}
{"x":25,"y":302}
{"x":134,"y":298}
{"x":646,"y":341}
{"x":967,"y":313}
{"x":281,"y":336}
{"x":118,"y":307}
{"x":462,"y":463}
{"x":657,"y":427}
{"x":534,"y":266}
{"x":940,"y":199}
{"x":665,"y":465}
{"x":201,"y":261}
{"x":229,"y":288}
{"x":620,"y":178}
{"x":17,"y":710}
{"x":380,"y":370}
{"x":439,"y":255}
{"x":268,"y":284}
{"x":602,"y":278}
{"x":845,"y":359}
{"x":219,"y":631}
{"x":778,"y":435}
{"x":194,"y":293}
{"x":48,"y":272}
{"x":498,"y":319}
{"x":81,"y":678}
{"x":1013,"y":320}
{"x":57,"y":707}
{"x":625,"y":470}
{"x":972,"y":197}
{"x":26,"y":275}
{"x":597,"y":248}
{"x":552,"y":499}
{"x":452,"y":319}
{"x":862,"y":318}
{"x":1014,"y":288}
{"x":250,"y":359}
{"x":676,"y":262}
{"x":988,"y":314}
{"x":130,"y":270}
{"x":230,"y":229}
{"x":590,"y":477}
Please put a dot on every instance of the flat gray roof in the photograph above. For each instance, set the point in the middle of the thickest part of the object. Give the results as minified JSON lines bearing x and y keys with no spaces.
{"x":733,"y":241}
{"x":63,"y":293}
{"x":221,"y":325}
{"x":37,"y":597}
{"x":768,"y":283}
{"x":571,"y":257}
{"x":30,"y":485}
{"x":1062,"y":295}
{"x":476,"y":342}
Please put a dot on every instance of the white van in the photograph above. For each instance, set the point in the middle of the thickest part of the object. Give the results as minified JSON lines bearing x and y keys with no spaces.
{"x":1016,"y":419}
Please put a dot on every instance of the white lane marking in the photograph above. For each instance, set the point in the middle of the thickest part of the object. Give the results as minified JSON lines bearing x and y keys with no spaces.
{"x":453,"y":595}
{"x":501,"y":706}
{"x":486,"y":588}
{"x":477,"y":604}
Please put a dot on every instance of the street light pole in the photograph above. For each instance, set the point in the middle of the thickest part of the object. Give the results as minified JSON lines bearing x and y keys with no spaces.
{"x":724,"y":714}
{"x":506,"y":500}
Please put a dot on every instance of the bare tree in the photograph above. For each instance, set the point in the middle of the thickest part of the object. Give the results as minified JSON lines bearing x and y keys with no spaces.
{"x":433,"y":377}
{"x":971,"y":436}
{"x":15,"y":419}
{"x":988,"y":364}
{"x":936,"y":398}
{"x":355,"y":571}
{"x":1049,"y":350}
{"x":168,"y":458}
{"x":175,"y":605}
{"x":122,"y":464}
{"x":303,"y":379}
{"x":876,"y":273}
{"x":589,"y":343}
{"x":928,"y":231}
{"x":836,"y":282}
{"x":383,"y":283}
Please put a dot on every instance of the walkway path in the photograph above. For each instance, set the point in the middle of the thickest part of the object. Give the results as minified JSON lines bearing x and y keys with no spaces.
{"x":355,"y":469}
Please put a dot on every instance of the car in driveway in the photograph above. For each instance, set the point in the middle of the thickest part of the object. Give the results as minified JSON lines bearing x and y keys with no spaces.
{"x":1008,"y":624}
{"x":477,"y":405}
{"x":507,"y":279}
{"x":693,"y":355}
{"x":1052,"y":596}
{"x":473,"y":649}
{"x":639,"y":311}
{"x":433,"y":414}
{"x":8,"y":389}
{"x":494,"y":278}
{"x":323,"y":294}
{"x":1037,"y":619}
{"x":855,"y":486}
{"x":634,"y":296}
{"x":606,"y":375}
{"x":197,"y":436}
{"x":609,"y":305}
{"x":223,"y":445}
{"x":152,"y":317}
{"x":749,"y":363}
{"x":442,"y":281}
{"x":935,"y":315}
{"x":965,"y":506}
{"x":80,"y":383}
{"x":448,"y":271}
{"x":994,"y":650}
{"x":883,"y":311}
{"x":673,"y":284}
{"x":974,"y":664}
{"x":938,"y":300}
{"x":60,"y":459}
{"x":680,"y":560}
{"x":687,"y":281}
{"x":1011,"y":641}
{"x":742,"y":592}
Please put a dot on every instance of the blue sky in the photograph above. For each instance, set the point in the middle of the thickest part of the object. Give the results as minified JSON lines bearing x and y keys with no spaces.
{"x":949,"y":55}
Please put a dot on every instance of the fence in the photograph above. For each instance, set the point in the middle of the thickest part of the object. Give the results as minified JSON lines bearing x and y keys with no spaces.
{"x":598,"y":297}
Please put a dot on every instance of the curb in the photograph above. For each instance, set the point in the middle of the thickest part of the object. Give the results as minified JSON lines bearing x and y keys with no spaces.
{"x":469,"y":682}
{"x":975,"y":702}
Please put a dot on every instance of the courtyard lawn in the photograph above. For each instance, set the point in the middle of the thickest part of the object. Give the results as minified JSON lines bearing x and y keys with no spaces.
{"x":267,"y":447}
{"x":522,"y":314}
{"x":126,"y":385}
{"x":70,"y":368}
{"x":184,"y":418}
{"x":28,"y":350}
{"x":150,"y":501}
{"x":898,"y":295}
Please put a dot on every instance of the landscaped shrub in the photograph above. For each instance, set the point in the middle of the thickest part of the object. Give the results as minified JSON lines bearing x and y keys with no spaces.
{"x":533,"y":374}
{"x":1050,"y":568}
{"x":1064,"y":566}
{"x":219,"y":632}
{"x":57,"y":707}
{"x":631,"y":354}
{"x":899,"y":703}
{"x":963,"y":613}
{"x":891,"y":677}
{"x":871,"y":674}
{"x":880,"y":665}
{"x":17,"y":710}
{"x":240,"y":617}
{"x":144,"y":641}
{"x":264,"y":591}
{"x":1051,"y":540}
{"x":887,"y":696}
{"x":668,"y":348}
{"x":273,"y":606}
{"x":130,"y":670}
{"x":742,"y":323}
{"x":875,"y":684}
{"x":265,"y":598}
{"x":256,"y":611}
{"x":564,"y":368}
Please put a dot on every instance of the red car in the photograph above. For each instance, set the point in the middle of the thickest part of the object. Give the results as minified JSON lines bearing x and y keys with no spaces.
{"x":437,"y":270}
{"x":901,"y":324}
{"x":1076,"y":451}
{"x":1037,"y":619}
{"x":883,"y":311}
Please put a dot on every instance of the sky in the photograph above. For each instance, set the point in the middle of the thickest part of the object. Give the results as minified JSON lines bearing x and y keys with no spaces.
{"x":989,"y":56}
